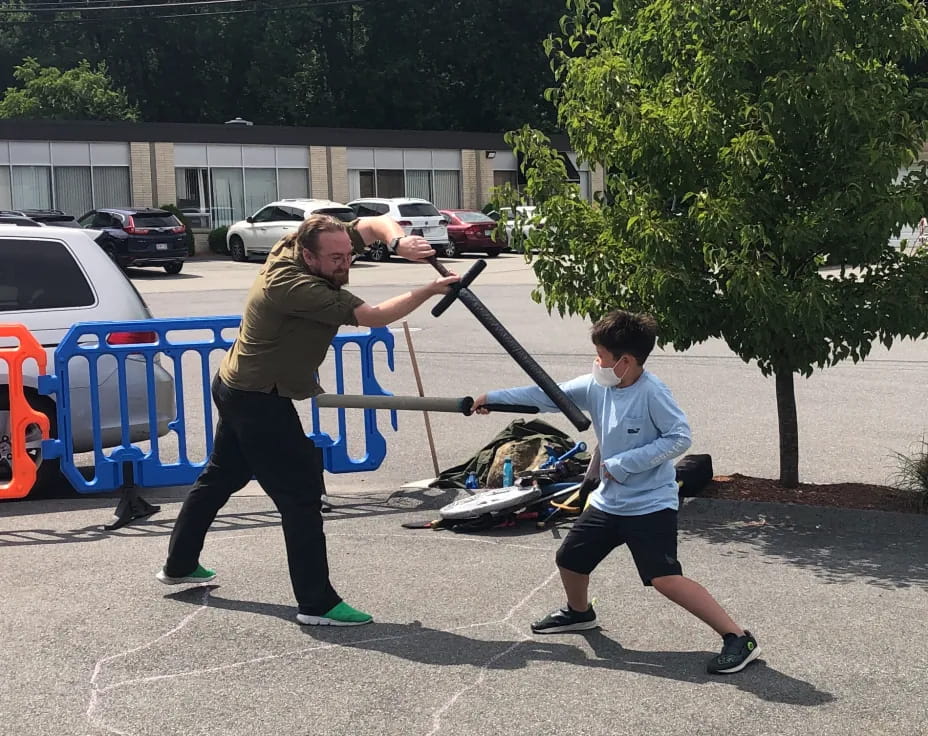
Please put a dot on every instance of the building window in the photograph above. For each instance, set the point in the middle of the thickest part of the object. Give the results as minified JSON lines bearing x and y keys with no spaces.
{"x":442,"y":188}
{"x":70,"y":176}
{"x":221,"y":184}
{"x":111,"y":186}
{"x":433,"y":175}
{"x":227,"y":191}
{"x":446,"y":194}
{"x":74,"y":189}
{"x":260,"y":188}
{"x":293,"y":183}
{"x":391,"y":183}
{"x":223,"y":195}
{"x":419,"y":184}
{"x":32,"y":187}
{"x":6,"y":189}
{"x":506,"y":177}
{"x":361,"y":183}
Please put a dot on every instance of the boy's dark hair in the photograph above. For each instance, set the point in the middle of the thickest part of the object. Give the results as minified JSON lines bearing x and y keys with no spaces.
{"x":626,"y":332}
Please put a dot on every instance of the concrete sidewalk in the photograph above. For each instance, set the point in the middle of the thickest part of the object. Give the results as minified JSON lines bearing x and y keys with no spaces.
{"x":93,"y":645}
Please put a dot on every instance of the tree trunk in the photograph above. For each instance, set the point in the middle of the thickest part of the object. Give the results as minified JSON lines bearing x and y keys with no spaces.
{"x":789,"y":429}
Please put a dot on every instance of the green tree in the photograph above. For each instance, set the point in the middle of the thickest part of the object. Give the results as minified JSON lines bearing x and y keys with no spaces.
{"x":475,"y":65}
{"x":746,"y":145}
{"x":81,"y":93}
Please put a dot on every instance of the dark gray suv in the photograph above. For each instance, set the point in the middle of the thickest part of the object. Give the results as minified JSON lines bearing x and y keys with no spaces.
{"x":140,"y":236}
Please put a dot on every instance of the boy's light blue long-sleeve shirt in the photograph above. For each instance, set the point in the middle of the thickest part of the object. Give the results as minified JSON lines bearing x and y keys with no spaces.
{"x":640,"y":429}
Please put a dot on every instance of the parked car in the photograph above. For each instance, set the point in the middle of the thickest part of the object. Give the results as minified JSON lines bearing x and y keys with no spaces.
{"x":470,"y":231}
{"x":414,"y":215}
{"x":51,"y":278}
{"x":526,"y":212}
{"x":43,"y":217}
{"x":257,"y":234}
{"x":140,"y":236}
{"x":13,"y":218}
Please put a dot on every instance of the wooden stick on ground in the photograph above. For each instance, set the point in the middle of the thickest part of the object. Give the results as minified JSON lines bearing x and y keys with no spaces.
{"x":425,"y":414}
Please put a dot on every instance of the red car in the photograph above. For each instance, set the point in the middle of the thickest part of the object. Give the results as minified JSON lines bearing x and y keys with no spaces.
{"x":470,"y":231}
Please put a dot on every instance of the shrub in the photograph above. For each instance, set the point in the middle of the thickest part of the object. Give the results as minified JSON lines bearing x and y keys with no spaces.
{"x":217,"y":240}
{"x":912,"y":473}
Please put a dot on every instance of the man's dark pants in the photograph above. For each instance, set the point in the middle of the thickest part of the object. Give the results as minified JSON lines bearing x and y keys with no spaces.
{"x":260,"y":435}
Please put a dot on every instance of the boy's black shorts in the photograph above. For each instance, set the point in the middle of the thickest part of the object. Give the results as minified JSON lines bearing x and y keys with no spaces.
{"x":651,"y":538}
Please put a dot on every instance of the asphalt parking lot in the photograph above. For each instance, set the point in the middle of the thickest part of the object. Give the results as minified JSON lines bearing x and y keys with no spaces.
{"x":94,"y":645}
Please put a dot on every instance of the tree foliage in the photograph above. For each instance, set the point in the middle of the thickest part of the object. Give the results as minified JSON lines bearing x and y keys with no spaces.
{"x":745,"y":146}
{"x":455,"y":65}
{"x":81,"y":93}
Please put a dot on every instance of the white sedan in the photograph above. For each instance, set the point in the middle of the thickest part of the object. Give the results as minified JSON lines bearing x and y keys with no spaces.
{"x":257,"y":234}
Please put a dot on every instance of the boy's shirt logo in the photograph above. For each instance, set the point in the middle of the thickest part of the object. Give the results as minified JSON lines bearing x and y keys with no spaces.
{"x":634,"y":430}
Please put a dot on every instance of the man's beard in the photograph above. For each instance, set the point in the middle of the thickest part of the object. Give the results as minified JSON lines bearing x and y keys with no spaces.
{"x":336,"y":279}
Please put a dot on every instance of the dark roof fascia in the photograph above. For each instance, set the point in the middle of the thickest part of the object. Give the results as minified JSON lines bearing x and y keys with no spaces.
{"x":123,"y":132}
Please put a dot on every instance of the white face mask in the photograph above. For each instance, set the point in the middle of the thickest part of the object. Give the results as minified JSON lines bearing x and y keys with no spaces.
{"x":606,"y":376}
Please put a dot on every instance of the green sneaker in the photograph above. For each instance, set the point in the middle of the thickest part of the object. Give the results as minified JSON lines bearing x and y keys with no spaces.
{"x":340,"y":615}
{"x":200,"y":575}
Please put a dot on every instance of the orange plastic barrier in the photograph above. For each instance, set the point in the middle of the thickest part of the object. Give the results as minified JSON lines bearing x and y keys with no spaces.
{"x":21,"y":414}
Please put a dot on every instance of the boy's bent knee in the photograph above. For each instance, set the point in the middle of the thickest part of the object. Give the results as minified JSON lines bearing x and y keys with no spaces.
{"x":568,"y":559}
{"x":667,"y":583}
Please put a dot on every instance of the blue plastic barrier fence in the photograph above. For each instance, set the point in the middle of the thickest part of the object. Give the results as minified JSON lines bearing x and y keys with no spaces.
{"x":147,"y":340}
{"x":335,"y":453}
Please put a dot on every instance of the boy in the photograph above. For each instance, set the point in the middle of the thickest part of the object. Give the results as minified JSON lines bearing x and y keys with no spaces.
{"x":640,"y":430}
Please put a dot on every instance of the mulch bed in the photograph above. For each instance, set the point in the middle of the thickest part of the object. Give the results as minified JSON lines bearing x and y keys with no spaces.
{"x":839,"y":495}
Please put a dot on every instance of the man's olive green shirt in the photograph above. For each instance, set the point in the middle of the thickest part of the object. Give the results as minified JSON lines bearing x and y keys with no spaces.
{"x":288,"y":324}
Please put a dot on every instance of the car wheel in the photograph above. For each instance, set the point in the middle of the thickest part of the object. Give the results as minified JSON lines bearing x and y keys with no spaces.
{"x":378,"y":252}
{"x":450,"y":250}
{"x":237,"y":249}
{"x":48,"y":476}
{"x":493,"y":252}
{"x":174,"y":268}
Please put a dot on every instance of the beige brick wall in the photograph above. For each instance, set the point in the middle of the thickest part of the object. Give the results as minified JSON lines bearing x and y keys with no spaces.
{"x":140,"y":174}
{"x":201,"y":243}
{"x":596,"y":180}
{"x":469,"y":194}
{"x":165,"y":183}
{"x":484,"y":178}
{"x":338,"y":173}
{"x":319,"y":170}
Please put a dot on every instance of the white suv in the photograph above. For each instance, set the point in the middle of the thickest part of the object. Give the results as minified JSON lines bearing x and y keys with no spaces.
{"x":51,"y":278}
{"x":415,"y":216}
{"x":258,"y":234}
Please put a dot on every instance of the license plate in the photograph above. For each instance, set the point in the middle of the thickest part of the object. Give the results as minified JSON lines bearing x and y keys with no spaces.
{"x":161,"y":246}
{"x":487,"y":232}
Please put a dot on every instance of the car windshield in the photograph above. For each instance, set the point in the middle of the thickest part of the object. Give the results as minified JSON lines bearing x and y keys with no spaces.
{"x":473,"y":217}
{"x":155,"y":220}
{"x":418,"y":209}
{"x":345,"y":214}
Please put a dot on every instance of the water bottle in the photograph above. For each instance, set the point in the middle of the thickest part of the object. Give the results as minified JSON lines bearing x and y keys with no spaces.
{"x":471,"y":481}
{"x":508,"y":476}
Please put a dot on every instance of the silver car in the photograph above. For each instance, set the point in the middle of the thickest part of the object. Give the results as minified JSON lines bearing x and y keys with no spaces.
{"x":50,"y":278}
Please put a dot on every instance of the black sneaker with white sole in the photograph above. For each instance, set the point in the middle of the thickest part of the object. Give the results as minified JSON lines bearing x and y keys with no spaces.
{"x":737,"y":653}
{"x":566,"y":619}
